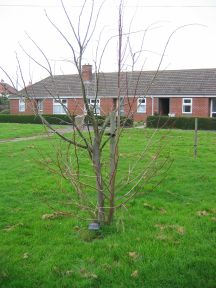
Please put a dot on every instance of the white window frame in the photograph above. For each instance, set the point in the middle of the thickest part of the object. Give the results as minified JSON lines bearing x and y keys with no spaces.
{"x":22,"y":106}
{"x":39,"y":105}
{"x":213,"y":113}
{"x":121,"y":106}
{"x":141,"y":105}
{"x":187,"y":104}
{"x":58,"y":104}
{"x":91,"y":103}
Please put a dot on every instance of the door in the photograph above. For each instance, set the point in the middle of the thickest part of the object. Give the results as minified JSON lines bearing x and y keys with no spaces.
{"x":164,"y":106}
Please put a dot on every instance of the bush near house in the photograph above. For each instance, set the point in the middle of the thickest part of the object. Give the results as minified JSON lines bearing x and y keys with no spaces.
{"x":4,"y":104}
{"x":34,"y":119}
{"x":55,"y":119}
{"x":4,"y":111}
{"x":127,"y":122}
{"x":187,"y":123}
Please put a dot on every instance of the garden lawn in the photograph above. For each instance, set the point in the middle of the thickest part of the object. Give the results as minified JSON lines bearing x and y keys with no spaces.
{"x":163,"y":238}
{"x":14,"y":130}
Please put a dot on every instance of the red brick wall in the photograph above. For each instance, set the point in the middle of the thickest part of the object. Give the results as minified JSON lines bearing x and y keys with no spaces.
{"x":14,"y":106}
{"x":76,"y":106}
{"x":156,"y":105}
{"x":106,"y":105}
{"x":200,"y":107}
{"x":131,"y":108}
{"x":48,"y":106}
{"x":29,"y":107}
{"x":176,"y":106}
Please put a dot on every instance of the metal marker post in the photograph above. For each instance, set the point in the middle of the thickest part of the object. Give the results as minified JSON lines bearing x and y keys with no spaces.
{"x":196,"y":138}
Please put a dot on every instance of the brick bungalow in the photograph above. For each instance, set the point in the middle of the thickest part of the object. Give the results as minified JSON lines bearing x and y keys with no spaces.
{"x":171,"y":92}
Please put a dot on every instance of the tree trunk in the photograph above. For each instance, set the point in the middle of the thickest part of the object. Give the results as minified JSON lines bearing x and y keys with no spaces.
{"x":99,"y":182}
{"x":113,"y":163}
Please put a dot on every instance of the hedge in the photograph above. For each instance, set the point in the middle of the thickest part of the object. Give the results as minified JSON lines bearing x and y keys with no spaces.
{"x":127,"y":122}
{"x":186,"y":123}
{"x":33,"y":119}
{"x":55,"y":119}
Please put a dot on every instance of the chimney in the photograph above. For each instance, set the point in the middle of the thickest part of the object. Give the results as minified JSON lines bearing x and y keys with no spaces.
{"x":87,"y":73}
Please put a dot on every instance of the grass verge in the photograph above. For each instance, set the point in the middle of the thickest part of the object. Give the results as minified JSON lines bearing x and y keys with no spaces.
{"x":166,"y":238}
{"x":14,"y":130}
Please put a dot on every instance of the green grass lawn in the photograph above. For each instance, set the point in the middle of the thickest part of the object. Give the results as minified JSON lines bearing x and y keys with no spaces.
{"x":165,"y":238}
{"x":13,"y":130}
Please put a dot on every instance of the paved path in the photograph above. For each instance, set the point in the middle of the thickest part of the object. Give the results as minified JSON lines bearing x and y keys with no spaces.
{"x":48,"y":134}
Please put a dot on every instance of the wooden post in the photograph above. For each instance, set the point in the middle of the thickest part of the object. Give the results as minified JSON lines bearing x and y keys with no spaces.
{"x":195,"y":138}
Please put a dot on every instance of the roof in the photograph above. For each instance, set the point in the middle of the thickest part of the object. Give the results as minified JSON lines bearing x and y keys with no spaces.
{"x":168,"y":82}
{"x":6,"y":88}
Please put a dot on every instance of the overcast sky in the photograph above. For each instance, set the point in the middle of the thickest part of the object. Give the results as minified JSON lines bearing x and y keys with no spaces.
{"x":193,"y":46}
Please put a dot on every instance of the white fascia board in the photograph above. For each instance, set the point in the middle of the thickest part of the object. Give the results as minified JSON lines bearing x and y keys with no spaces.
{"x":181,"y":96}
{"x":162,"y":96}
{"x":48,"y":97}
{"x":60,"y":97}
{"x":12,"y":97}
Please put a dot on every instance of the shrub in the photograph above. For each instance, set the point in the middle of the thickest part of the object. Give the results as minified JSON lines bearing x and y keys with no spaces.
{"x":187,"y":123}
{"x":127,"y":122}
{"x":4,"y":100}
{"x":55,"y":119}
{"x":4,"y":104}
{"x":33,"y":119}
{"x":5,"y":111}
{"x":100,"y":119}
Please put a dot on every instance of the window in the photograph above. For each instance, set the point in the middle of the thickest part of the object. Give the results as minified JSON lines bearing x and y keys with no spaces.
{"x":59,"y":106}
{"x":213,"y":107}
{"x":94,"y":104}
{"x":141,"y":105}
{"x":187,"y":105}
{"x":121,"y":106}
{"x":39,"y":103}
{"x":21,"y":105}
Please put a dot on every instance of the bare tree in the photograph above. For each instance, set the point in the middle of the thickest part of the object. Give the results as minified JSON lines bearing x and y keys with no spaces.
{"x":100,"y":190}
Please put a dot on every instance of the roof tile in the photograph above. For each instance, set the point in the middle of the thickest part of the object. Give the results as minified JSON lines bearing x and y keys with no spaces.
{"x":167,"y":82}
